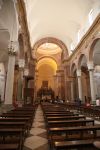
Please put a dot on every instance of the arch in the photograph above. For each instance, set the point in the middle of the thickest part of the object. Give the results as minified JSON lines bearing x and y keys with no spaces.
{"x":50,"y":40}
{"x":62,"y":56}
{"x":47,"y":60}
{"x":91,"y":50}
{"x":21,"y":45}
{"x":2,"y":80}
{"x":47,"y":57}
{"x":26,"y":58}
{"x":82,"y":56}
{"x":73,"y":67}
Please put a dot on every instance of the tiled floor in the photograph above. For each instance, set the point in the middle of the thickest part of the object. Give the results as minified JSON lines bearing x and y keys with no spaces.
{"x":37,"y":139}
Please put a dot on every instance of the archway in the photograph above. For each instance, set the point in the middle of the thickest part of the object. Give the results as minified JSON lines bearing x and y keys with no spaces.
{"x":74,"y":82}
{"x":46,"y":68}
{"x":85,"y":80}
{"x":94,"y":56}
{"x":52,"y":40}
{"x":2,"y":82}
{"x":53,"y":49}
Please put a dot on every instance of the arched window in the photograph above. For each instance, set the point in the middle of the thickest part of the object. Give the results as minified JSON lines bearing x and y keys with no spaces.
{"x":91,"y":16}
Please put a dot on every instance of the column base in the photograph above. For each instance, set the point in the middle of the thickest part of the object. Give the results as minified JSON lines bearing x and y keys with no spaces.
{"x":93,"y":102}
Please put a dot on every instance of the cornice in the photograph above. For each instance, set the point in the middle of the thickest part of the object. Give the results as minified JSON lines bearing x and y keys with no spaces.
{"x":84,"y":39}
{"x":22,"y":15}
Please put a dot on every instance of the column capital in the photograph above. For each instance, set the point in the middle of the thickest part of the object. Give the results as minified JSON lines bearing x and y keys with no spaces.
{"x":90,"y":66}
{"x":26,"y":71}
{"x":21,"y":63}
{"x":13,"y":48}
{"x":78,"y":72}
{"x":11,"y":52}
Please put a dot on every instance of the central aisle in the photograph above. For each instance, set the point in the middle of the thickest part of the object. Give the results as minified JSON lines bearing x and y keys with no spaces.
{"x":37,"y":139}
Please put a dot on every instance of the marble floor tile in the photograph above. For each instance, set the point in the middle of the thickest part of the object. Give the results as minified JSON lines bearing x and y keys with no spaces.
{"x":39,"y":119}
{"x":36,"y":131}
{"x":43,"y":147}
{"x":37,"y":124}
{"x":44,"y":135}
{"x":26,"y":148}
{"x":35,"y":142}
{"x":42,"y":127}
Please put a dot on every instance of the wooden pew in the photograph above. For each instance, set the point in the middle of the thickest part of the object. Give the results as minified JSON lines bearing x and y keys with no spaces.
{"x":7,"y":115}
{"x":59,"y":115}
{"x":57,"y":112}
{"x":83,"y":132}
{"x":13,"y":127}
{"x":16,"y":119}
{"x":21,"y":111}
{"x":16,"y":115}
{"x":65,"y":117}
{"x":12,"y":124}
{"x":17,"y":133}
{"x":9,"y":146}
{"x":67,"y":123}
{"x":78,"y":144}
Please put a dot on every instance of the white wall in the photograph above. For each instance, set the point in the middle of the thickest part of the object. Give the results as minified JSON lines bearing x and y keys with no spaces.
{"x":2,"y":81}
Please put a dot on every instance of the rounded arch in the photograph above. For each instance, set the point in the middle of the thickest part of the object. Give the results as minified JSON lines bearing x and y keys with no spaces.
{"x":48,"y":61}
{"x":21,"y":45}
{"x":26,"y":58}
{"x":82,"y":60}
{"x":50,"y":40}
{"x":2,"y":80}
{"x":73,"y":68}
{"x":47,"y":57}
{"x":91,"y":50}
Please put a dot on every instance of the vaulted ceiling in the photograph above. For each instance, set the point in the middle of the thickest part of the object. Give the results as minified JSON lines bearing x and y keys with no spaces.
{"x":66,"y":20}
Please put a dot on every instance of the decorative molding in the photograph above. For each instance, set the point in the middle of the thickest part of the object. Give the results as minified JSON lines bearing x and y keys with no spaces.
{"x":24,"y":26}
{"x":88,"y":37}
{"x":50,"y":40}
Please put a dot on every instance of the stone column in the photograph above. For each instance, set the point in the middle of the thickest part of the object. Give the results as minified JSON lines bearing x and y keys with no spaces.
{"x":10,"y":79}
{"x":20,"y":80}
{"x":65,"y":78}
{"x":59,"y":76}
{"x":55,"y":85}
{"x":32,"y":64}
{"x":57,"y":81}
{"x":59,"y":86}
{"x":79,"y":84}
{"x":72,"y":90}
{"x":35,"y":84}
{"x":91,"y":68}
